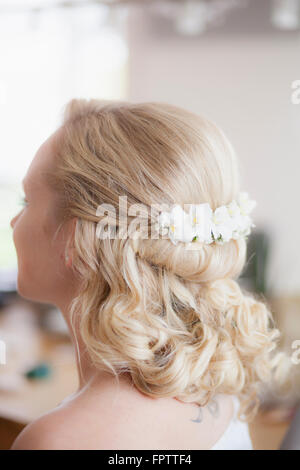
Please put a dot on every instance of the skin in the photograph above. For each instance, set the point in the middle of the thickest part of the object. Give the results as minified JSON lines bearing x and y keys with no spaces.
{"x":33,"y":233}
{"x":45,"y":276}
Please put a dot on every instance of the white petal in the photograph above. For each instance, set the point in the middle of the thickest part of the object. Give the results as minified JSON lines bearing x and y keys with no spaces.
{"x":246,"y":204}
{"x":233,"y":209}
{"x":177,"y":213}
{"x":221,"y":215}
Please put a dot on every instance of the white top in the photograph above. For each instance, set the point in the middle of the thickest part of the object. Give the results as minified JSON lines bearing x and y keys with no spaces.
{"x":236,"y":436}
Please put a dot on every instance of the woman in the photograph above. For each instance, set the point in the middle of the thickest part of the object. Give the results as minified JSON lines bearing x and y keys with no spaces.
{"x":168,"y":346}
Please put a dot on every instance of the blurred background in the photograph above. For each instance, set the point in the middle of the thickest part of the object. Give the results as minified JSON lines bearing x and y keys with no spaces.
{"x":234,"y":61}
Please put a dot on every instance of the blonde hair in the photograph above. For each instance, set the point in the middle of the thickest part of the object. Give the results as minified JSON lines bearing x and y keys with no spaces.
{"x":176,"y":320}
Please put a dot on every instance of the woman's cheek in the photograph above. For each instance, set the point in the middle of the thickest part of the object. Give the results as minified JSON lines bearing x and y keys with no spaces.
{"x":23,"y":235}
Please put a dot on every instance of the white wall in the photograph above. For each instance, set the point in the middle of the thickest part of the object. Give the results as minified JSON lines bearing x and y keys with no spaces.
{"x":243,"y":83}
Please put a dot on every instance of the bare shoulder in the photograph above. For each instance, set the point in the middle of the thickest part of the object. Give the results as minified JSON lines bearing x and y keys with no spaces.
{"x":90,"y":421}
{"x":44,"y":433}
{"x":63,"y":429}
{"x":109,"y":419}
{"x":71,"y":427}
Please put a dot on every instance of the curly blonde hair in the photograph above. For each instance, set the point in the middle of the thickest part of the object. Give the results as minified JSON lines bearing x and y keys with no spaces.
{"x":177,"y":321}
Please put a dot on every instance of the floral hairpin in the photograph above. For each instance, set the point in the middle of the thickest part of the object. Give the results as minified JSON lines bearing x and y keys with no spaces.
{"x":203,"y":224}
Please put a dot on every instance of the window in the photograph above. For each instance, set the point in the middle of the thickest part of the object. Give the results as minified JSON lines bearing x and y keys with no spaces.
{"x":49,"y":56}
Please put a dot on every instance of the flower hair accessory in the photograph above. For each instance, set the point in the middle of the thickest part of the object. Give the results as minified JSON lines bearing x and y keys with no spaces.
{"x":203,"y":224}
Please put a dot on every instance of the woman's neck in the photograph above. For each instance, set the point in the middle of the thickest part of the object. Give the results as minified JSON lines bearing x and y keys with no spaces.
{"x":87,"y":372}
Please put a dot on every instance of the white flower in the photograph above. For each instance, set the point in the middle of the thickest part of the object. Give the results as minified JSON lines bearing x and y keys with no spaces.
{"x":222,"y":224}
{"x":238,"y":222}
{"x":246,"y":205}
{"x":204,"y":225}
{"x":201,"y":220}
{"x":178,"y":223}
{"x":242,"y":223}
{"x":234,"y":209}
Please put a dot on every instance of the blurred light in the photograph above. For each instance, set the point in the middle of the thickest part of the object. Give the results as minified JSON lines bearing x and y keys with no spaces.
{"x":108,"y":47}
{"x":192,"y":18}
{"x":285,"y":14}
